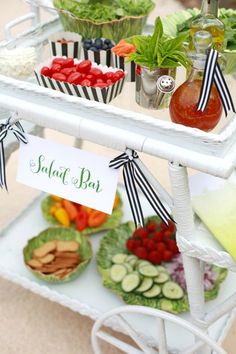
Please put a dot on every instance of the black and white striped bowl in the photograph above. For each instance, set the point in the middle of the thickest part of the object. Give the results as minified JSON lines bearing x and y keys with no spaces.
{"x":103,"y":57}
{"x":104,"y":95}
{"x":120,"y":63}
{"x":71,"y":49}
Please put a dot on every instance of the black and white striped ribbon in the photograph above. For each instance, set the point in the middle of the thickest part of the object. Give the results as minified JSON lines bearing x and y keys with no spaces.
{"x":133,"y":174}
{"x":19,"y":134}
{"x":212,"y":73}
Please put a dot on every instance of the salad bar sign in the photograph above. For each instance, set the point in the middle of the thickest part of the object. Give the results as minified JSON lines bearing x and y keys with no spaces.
{"x":70,"y":173}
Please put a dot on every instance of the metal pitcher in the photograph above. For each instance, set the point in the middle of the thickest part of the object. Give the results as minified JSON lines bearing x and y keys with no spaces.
{"x":148,"y":91}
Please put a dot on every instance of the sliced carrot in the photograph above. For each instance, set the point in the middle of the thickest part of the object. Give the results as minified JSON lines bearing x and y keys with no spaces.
{"x":116,"y":201}
{"x":71,"y":209}
{"x":87,"y":209}
{"x":97,"y":218}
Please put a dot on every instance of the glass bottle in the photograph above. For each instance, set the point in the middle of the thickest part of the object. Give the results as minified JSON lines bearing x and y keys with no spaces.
{"x":208,"y":21}
{"x":183,"y":104}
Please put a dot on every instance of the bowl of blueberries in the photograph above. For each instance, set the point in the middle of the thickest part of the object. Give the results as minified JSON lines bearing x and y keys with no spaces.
{"x":97,"y":50}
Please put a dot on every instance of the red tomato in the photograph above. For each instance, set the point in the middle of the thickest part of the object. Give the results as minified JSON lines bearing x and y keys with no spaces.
{"x":109,"y":76}
{"x":86,"y":82}
{"x":116,"y":77}
{"x":46,"y":71}
{"x":84,"y":66}
{"x":59,"y":61}
{"x":97,"y":73}
{"x":74,"y":78}
{"x":68,"y":71}
{"x":90,"y":78}
{"x":81,"y":220}
{"x":56,"y":68}
{"x":109,"y":82}
{"x":120,"y":73}
{"x":100,"y":85}
{"x":64,"y":62}
{"x":59,"y":77}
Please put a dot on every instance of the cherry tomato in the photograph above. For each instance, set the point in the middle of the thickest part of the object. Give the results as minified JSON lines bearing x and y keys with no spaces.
{"x":120,"y":73}
{"x":138,"y":70}
{"x":109,"y":76}
{"x":68,"y":71}
{"x":59,"y":77}
{"x":68,"y":63}
{"x":97,"y":73}
{"x":46,"y":71}
{"x":101,"y":85}
{"x":116,"y":77}
{"x":91,"y":78}
{"x":86,"y":82}
{"x":100,"y":81}
{"x":81,"y":220}
{"x":59,"y":61}
{"x":74,"y":78}
{"x":84,"y":66}
{"x":56,"y":68}
{"x":109,"y":82}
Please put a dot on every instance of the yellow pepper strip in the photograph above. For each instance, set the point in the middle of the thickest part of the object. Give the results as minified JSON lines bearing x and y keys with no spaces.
{"x":116,"y":202}
{"x":62,"y":216}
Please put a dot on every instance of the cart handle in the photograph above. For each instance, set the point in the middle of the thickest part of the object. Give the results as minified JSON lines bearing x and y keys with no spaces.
{"x":8,"y":27}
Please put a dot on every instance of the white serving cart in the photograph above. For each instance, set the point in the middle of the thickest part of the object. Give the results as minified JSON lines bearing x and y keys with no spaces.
{"x":120,"y":125}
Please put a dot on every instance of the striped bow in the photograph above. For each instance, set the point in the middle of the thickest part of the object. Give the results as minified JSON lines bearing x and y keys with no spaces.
{"x":19,"y":134}
{"x":212,"y":73}
{"x":133,"y":174}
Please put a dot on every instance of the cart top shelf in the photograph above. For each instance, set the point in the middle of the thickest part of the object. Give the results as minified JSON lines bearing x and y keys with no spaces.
{"x":120,"y":124}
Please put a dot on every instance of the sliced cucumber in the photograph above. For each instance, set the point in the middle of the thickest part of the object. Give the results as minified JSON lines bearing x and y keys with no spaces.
{"x":131,"y":257}
{"x":118,"y":272}
{"x":166,"y":305}
{"x":172,"y":290}
{"x":128,"y":266}
{"x":161,"y":278}
{"x":143,"y":263}
{"x":132,"y":262}
{"x":119,"y":258}
{"x":153,"y":292}
{"x":148,"y":271}
{"x":130,"y":282}
{"x":146,"y":284}
{"x":161,"y":269}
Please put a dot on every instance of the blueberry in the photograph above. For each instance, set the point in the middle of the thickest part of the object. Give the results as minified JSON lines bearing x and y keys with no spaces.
{"x":98,"y":43}
{"x":105,"y":46}
{"x":94,"y":49}
{"x":111,"y":45}
{"x":107,"y":41}
{"x":87,"y":46}
{"x":88,"y":41}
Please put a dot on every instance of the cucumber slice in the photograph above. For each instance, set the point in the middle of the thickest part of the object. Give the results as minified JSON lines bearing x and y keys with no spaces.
{"x":131,"y":257}
{"x":172,"y":290}
{"x":132,"y":262}
{"x":130,"y":282}
{"x":119,"y":258}
{"x":166,"y":305}
{"x":128,"y":266}
{"x":118,"y":272}
{"x":148,"y":271}
{"x":153,"y":292}
{"x":146,"y":284}
{"x":143,"y":263}
{"x":161,"y":278}
{"x":161,"y":269}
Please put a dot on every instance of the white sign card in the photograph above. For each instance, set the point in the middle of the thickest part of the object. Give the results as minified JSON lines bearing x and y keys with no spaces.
{"x":80,"y":176}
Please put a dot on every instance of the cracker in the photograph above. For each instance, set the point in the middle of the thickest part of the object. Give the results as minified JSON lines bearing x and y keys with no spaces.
{"x":47,"y":259}
{"x":34,"y":263}
{"x":67,"y":246}
{"x":44,"y":249}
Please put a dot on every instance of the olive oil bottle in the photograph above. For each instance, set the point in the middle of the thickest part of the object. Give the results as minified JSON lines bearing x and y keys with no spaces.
{"x":208,"y":21}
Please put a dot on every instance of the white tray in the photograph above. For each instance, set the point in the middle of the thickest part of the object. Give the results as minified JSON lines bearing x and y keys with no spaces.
{"x":86,"y":294}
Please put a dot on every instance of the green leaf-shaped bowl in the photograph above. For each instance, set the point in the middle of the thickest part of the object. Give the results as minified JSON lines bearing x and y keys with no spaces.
{"x":171,"y":22}
{"x":115,"y":242}
{"x":59,"y":233}
{"x":112,"y":221}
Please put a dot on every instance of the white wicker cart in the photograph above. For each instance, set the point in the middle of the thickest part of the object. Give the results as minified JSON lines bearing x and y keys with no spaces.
{"x":119,"y":128}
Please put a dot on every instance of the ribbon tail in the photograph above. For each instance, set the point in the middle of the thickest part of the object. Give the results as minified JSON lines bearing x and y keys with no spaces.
{"x":3,"y":182}
{"x":151,"y":195}
{"x":132,"y":194}
{"x":223,"y":91}
{"x":208,"y":79}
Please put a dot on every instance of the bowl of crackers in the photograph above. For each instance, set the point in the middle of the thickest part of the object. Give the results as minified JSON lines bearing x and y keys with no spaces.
{"x":58,"y":254}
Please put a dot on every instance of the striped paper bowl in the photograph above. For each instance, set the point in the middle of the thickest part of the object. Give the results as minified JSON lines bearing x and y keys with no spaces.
{"x":103,"y":57}
{"x":120,"y":63}
{"x":104,"y":95}
{"x":71,"y":49}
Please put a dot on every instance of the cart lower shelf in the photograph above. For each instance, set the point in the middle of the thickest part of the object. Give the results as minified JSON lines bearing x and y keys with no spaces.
{"x":86,"y":294}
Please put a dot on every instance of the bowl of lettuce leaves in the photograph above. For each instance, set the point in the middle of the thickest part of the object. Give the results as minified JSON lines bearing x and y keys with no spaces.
{"x":179,"y":22}
{"x":113,"y":19}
